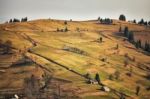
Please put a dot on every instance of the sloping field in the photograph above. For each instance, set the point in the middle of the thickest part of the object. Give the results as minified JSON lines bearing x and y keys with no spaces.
{"x":82,"y":37}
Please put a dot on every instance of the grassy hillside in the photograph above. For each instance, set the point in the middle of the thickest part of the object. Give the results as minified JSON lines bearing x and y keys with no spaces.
{"x":82,"y":36}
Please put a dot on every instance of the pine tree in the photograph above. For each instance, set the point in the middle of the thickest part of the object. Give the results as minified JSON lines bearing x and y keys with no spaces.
{"x":134,"y":21}
{"x":97,"y":78}
{"x":120,"y":29}
{"x":131,"y":36}
{"x":126,"y":31}
{"x":99,"y":19}
{"x":147,"y":47}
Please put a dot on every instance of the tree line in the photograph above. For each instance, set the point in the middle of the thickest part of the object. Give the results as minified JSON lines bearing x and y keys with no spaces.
{"x":105,"y":21}
{"x":18,"y":20}
{"x":137,"y":43}
{"x":141,"y":22}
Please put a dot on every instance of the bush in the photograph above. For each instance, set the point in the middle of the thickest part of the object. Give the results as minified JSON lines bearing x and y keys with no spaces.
{"x":58,"y":30}
{"x":117,"y":75}
{"x":7,"y":47}
{"x":122,"y":17}
{"x":66,"y":29}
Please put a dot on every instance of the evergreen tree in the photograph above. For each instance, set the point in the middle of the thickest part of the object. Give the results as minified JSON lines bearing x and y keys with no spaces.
{"x":147,"y":46}
{"x":138,"y":44}
{"x":134,"y":21}
{"x":122,"y":17}
{"x":126,"y":31}
{"x":16,"y":20}
{"x":10,"y":21}
{"x":65,"y":22}
{"x":149,"y":23}
{"x":120,"y":29}
{"x":99,"y":19}
{"x":141,"y":22}
{"x":97,"y":78}
{"x":131,"y":36}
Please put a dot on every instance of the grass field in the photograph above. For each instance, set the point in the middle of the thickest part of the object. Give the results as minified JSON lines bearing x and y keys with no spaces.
{"x":50,"y":44}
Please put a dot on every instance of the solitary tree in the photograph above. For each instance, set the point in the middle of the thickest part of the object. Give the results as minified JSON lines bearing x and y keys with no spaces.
{"x":137,"y":90}
{"x":134,"y":21}
{"x":122,"y":17}
{"x":99,"y":19}
{"x":120,"y":29}
{"x":100,"y":39}
{"x":131,"y":36}
{"x":126,"y":31}
{"x":97,"y":78}
{"x":65,"y":22}
{"x":147,"y":46}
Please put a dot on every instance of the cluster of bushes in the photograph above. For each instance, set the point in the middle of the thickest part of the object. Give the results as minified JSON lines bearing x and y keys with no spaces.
{"x":130,"y":36}
{"x":6,"y":47}
{"x":62,"y":30}
{"x":105,"y":21}
{"x":18,"y":20}
{"x":75,"y":50}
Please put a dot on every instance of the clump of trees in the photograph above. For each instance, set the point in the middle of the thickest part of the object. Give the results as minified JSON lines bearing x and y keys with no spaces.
{"x":105,"y":21}
{"x":142,"y":22}
{"x":6,"y":47}
{"x":129,"y":34}
{"x":18,"y":20}
{"x":24,"y":19}
{"x":122,"y":17}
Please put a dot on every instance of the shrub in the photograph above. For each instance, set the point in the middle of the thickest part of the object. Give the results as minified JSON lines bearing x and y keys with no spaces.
{"x":7,"y":46}
{"x":117,"y":75}
{"x":65,"y":22}
{"x":66,"y":29}
{"x":58,"y":30}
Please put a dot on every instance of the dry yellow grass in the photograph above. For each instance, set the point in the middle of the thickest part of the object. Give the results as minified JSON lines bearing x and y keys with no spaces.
{"x":50,"y":45}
